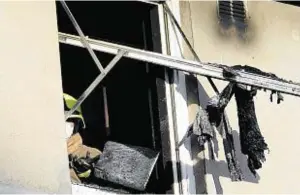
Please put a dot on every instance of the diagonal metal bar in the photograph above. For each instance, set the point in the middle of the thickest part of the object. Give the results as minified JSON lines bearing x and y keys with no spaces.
{"x":95,"y":83}
{"x":175,"y":22}
{"x":83,"y":39}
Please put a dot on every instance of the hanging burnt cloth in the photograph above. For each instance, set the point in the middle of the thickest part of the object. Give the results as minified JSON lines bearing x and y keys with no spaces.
{"x":251,"y":140}
{"x":213,"y":116}
{"x":215,"y":108}
{"x":202,"y":127}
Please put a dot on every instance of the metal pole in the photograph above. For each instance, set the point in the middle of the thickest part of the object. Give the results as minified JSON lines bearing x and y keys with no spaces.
{"x":95,"y":83}
{"x":204,"y":69}
{"x":106,"y":114}
{"x":83,"y":39}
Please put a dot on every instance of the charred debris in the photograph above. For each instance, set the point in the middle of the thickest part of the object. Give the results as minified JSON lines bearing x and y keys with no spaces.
{"x":213,"y":117}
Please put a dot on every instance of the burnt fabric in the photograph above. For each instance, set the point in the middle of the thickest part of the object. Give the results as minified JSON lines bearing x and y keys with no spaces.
{"x":127,"y":165}
{"x":232,"y":72}
{"x":212,"y":115}
{"x":257,"y":71}
{"x":216,"y":105}
{"x":252,"y":142}
{"x":202,"y":127}
{"x":215,"y":108}
{"x":230,"y":153}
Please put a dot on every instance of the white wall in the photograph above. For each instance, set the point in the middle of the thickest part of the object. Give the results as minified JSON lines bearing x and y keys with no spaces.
{"x":271,"y":43}
{"x":33,"y":150}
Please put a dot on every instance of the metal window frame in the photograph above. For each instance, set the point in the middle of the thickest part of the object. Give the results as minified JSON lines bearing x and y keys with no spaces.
{"x":104,"y":71}
{"x":148,"y":2}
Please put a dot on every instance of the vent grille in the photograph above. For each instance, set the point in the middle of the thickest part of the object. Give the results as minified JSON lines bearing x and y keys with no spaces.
{"x":225,"y":9}
{"x":232,"y":11}
{"x":238,"y":10}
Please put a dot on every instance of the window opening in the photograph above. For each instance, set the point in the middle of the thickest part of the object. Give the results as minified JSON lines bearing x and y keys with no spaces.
{"x":294,"y":3}
{"x":125,"y":107}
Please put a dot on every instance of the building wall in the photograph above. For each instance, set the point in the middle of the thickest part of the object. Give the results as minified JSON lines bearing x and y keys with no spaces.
{"x":33,"y":150}
{"x":271,"y":43}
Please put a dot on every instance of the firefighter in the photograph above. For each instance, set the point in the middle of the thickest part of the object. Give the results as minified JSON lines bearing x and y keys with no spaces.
{"x":81,"y":157}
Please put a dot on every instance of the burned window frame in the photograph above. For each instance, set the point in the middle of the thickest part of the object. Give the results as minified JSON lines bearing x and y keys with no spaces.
{"x":158,"y":100}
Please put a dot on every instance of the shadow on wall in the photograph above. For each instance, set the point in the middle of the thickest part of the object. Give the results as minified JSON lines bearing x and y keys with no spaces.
{"x":219,"y":168}
{"x":214,"y":167}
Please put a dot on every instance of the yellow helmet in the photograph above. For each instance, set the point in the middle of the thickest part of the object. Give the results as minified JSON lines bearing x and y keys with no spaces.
{"x":69,"y":102}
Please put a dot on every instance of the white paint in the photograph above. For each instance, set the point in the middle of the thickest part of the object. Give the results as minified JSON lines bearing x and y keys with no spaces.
{"x":169,"y":103}
{"x":33,"y":147}
{"x":295,"y":35}
{"x":80,"y":189}
{"x":181,"y":109}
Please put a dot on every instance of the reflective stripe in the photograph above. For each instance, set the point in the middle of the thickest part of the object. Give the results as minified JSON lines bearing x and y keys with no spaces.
{"x":85,"y":174}
{"x":78,"y":116}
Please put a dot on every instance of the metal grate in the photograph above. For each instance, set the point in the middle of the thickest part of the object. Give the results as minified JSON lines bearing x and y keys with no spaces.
{"x":225,"y":10}
{"x":232,"y":11}
{"x":238,"y":11}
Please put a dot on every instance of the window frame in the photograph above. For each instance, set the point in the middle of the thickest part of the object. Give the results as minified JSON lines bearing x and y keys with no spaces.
{"x":168,"y":141}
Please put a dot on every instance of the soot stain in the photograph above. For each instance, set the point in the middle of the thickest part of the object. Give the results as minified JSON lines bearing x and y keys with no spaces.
{"x":227,"y":28}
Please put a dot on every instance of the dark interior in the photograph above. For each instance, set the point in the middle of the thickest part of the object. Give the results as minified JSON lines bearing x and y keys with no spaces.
{"x":295,"y":3}
{"x":132,"y":89}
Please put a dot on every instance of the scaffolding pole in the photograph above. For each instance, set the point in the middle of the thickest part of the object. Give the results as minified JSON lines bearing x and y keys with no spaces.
{"x":204,"y":69}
